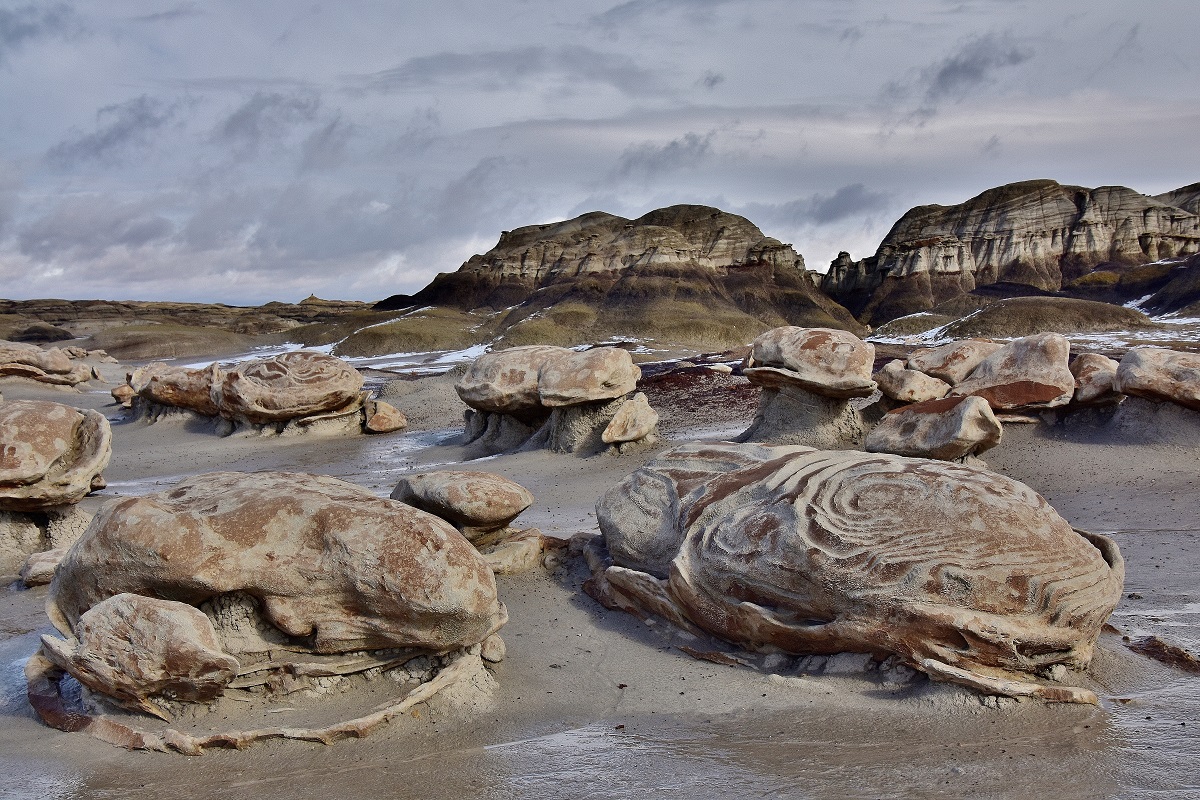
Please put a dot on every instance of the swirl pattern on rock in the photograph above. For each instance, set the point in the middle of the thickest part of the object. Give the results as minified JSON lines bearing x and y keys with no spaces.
{"x":331,"y":564}
{"x":291,"y":385}
{"x":965,"y":574}
{"x":50,"y":454}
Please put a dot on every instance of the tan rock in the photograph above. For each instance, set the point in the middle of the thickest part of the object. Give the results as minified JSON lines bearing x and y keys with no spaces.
{"x":477,"y":503}
{"x":39,"y":568}
{"x":948,"y":429}
{"x":1160,"y":374}
{"x":909,"y":385}
{"x":179,"y":387}
{"x":296,"y":384}
{"x":634,"y":420}
{"x":50,"y":454}
{"x":952,"y":362}
{"x":1027,"y":373}
{"x":570,"y":378}
{"x":506,"y":381}
{"x":383,"y":417}
{"x":52,"y":360}
{"x":1094,"y":376}
{"x":136,"y":649}
{"x":123,"y":395}
{"x":333,"y":566}
{"x":824,"y":361}
{"x":962,"y":573}
{"x":494,"y":649}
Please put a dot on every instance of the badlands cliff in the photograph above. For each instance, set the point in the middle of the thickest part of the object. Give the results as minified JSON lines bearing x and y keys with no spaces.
{"x":1038,"y":234}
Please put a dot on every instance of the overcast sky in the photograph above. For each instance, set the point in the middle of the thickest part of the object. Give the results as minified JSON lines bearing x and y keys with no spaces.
{"x":253,"y":150}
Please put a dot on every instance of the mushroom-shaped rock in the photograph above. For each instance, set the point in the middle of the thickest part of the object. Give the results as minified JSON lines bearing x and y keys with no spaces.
{"x":1029,"y":373}
{"x":824,"y":361}
{"x":50,"y":454}
{"x":952,"y":362}
{"x":634,"y":420}
{"x":291,"y":385}
{"x":166,"y":385}
{"x":506,"y":382}
{"x":135,"y":649}
{"x":571,"y":378}
{"x":948,"y":429}
{"x":909,"y":385}
{"x":331,"y":564}
{"x":964,"y":574}
{"x":1094,"y":377}
{"x":1157,"y":373}
{"x":478,"y":503}
{"x":383,"y":417}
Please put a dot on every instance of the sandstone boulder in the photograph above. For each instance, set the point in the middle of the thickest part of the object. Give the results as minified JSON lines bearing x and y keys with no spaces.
{"x":177,"y":386}
{"x":1094,"y":377}
{"x":1028,"y":373}
{"x":571,"y":378}
{"x":909,"y":385}
{"x":478,"y":503}
{"x":136,"y":649}
{"x":634,"y":420}
{"x":949,"y":429}
{"x":828,"y":362}
{"x":331,"y":565}
{"x":506,"y":381}
{"x":383,"y":417}
{"x":288,"y":386}
{"x":1160,"y":374}
{"x":123,"y":395}
{"x":53,"y":360}
{"x":952,"y":362}
{"x":50,"y":454}
{"x":962,"y":573}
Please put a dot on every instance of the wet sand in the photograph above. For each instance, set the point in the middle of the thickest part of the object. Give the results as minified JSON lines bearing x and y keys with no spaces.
{"x":595,"y":703}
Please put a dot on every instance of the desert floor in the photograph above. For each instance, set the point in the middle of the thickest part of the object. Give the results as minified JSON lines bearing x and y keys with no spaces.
{"x":595,"y":703}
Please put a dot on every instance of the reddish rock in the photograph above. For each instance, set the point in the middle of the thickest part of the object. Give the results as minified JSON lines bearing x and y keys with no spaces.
{"x":952,"y":362}
{"x":1094,"y":376}
{"x":1160,"y":374}
{"x":909,"y":385}
{"x":383,"y":417}
{"x":124,"y":395}
{"x":50,"y":454}
{"x":948,"y":429}
{"x":824,"y":361}
{"x":1028,"y":373}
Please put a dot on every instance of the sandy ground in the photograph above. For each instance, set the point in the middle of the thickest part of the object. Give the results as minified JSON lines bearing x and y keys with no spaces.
{"x":594,"y":703}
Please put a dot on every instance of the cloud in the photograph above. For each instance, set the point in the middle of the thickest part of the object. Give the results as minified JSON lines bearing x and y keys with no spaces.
{"x":118,"y":127}
{"x":182,"y":11}
{"x":711,"y":80}
{"x":24,"y":24}
{"x":649,"y":159}
{"x":972,"y":66}
{"x":265,"y":116}
{"x":852,"y":200}
{"x":627,"y":13}
{"x":86,"y":226}
{"x":509,"y":69}
{"x":325,"y":148}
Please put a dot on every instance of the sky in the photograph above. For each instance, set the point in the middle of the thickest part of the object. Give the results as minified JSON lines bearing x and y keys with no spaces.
{"x":242,"y":151}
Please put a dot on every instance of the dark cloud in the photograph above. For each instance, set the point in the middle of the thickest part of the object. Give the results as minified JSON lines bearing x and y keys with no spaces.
{"x":820,"y":209}
{"x":24,"y":24}
{"x":265,"y":116}
{"x":627,"y":13}
{"x":182,"y":11}
{"x":325,"y":148}
{"x":972,"y":66}
{"x":711,"y":80}
{"x":649,"y":159}
{"x":87,"y":226}
{"x":118,"y":127}
{"x":508,"y":69}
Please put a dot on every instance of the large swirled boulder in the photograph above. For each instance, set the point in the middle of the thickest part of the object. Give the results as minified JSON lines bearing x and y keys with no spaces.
{"x":331,"y":565}
{"x":1157,"y":373}
{"x":964,"y":574}
{"x":50,"y":454}
{"x":296,"y":384}
{"x":543,"y":396}
{"x":1025,"y":374}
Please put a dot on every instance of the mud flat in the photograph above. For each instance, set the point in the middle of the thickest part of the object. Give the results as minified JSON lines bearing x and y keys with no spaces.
{"x":598,"y":703}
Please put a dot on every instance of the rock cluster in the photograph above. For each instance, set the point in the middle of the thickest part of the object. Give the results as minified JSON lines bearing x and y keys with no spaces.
{"x":963,"y":574}
{"x":482,"y":506}
{"x":51,"y":456}
{"x":295,"y":391}
{"x":56,"y":365}
{"x":564,"y":400}
{"x":808,"y":377}
{"x":232,"y":580}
